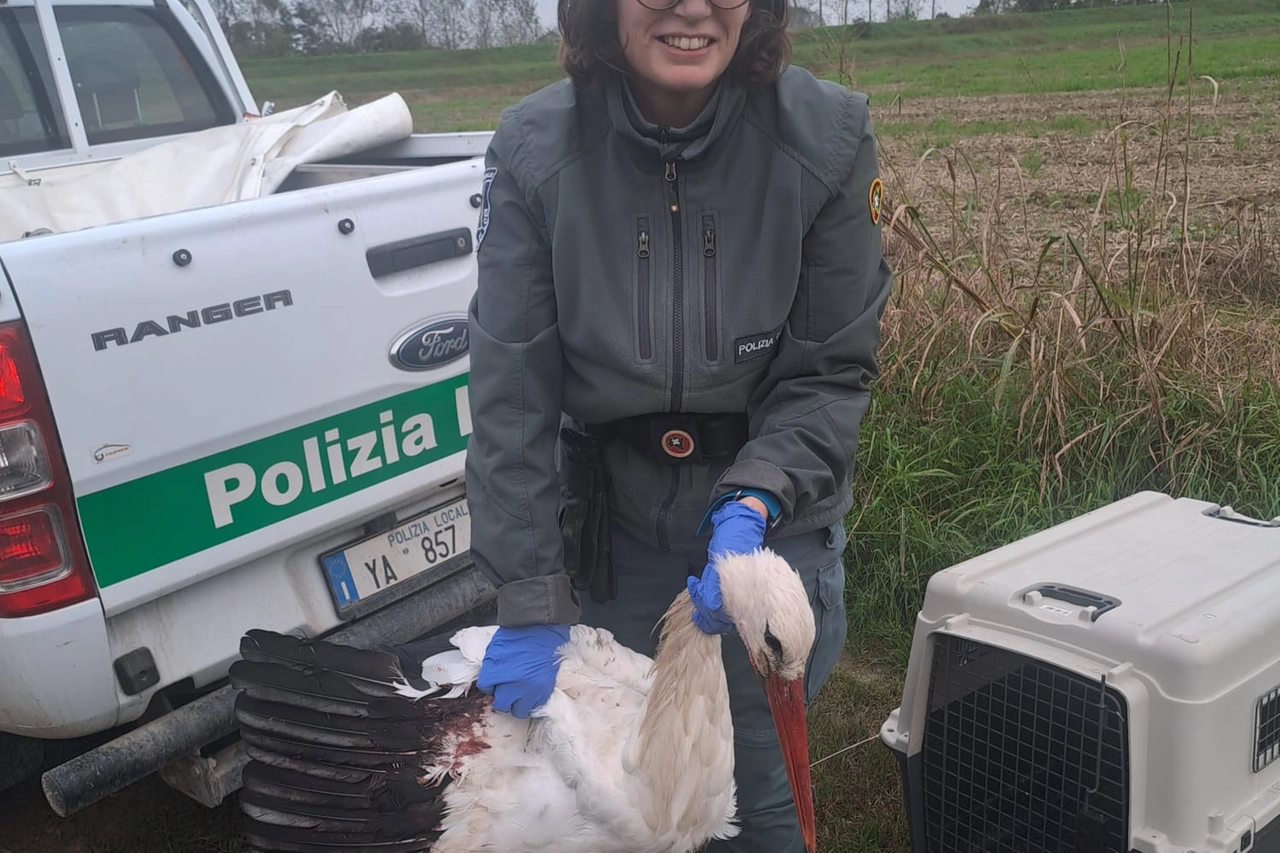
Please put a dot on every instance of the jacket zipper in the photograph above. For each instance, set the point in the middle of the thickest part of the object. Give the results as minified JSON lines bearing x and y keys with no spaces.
{"x":677,"y":289}
{"x":642,"y":254}
{"x":709,"y":283}
{"x":677,"y":338}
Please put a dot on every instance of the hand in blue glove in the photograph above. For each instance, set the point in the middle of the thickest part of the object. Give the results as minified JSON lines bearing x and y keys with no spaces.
{"x":737,"y":529}
{"x":520,"y":667}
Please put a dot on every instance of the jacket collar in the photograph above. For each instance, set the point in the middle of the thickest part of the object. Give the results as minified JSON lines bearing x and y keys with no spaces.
{"x":680,"y":143}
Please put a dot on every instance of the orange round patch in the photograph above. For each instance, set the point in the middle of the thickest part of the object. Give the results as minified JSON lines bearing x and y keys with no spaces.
{"x":677,"y":443}
{"x":875,"y":197}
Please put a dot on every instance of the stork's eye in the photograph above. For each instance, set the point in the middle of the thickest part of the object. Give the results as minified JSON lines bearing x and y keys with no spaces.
{"x":772,"y":642}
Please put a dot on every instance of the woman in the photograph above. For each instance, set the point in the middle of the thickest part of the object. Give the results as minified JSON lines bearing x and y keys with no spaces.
{"x":679,"y":253}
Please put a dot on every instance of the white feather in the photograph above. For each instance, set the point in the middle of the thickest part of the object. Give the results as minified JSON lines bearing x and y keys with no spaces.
{"x":595,"y":770}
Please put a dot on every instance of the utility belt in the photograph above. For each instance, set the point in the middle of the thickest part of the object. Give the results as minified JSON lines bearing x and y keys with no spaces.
{"x":677,"y":437}
{"x":666,"y":437}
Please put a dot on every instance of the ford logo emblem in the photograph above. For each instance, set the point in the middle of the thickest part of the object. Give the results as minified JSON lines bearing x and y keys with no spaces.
{"x":431,"y":345}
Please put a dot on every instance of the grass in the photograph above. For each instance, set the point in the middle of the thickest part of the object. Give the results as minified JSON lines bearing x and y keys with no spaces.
{"x":1070,"y":51}
{"x":857,"y":805}
{"x":1087,"y":283}
{"x":946,"y":128}
{"x":1044,"y":359}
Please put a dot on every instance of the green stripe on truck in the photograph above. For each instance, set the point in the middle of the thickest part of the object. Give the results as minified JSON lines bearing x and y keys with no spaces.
{"x":154,"y":520}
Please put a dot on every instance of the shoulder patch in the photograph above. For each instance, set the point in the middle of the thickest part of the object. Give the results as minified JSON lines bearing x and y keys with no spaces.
{"x":483,"y":225}
{"x":875,"y":197}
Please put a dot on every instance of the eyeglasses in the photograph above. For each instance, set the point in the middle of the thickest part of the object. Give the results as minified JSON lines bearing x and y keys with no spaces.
{"x":660,"y":6}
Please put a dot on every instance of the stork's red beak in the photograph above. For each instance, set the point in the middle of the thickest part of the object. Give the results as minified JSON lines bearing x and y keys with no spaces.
{"x":786,"y":701}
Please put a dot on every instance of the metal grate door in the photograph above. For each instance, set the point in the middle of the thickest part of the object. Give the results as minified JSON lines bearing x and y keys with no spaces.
{"x":1020,"y":756}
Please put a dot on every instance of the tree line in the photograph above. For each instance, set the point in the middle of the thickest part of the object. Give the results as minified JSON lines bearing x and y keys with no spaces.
{"x":266,"y":28}
{"x":810,"y":13}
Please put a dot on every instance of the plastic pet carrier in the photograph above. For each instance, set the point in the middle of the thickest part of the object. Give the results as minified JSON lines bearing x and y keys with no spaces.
{"x":1108,"y":685}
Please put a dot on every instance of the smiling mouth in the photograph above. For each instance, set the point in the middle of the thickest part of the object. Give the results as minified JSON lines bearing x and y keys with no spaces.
{"x":686,"y":43}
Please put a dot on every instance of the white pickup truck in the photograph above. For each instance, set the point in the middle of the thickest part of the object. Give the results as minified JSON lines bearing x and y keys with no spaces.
{"x":219,"y":408}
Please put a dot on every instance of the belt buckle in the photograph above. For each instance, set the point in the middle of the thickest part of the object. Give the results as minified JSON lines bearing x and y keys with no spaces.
{"x":676,"y":437}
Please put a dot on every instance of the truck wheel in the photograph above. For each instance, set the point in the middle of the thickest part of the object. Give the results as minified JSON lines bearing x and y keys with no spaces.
{"x":20,"y":759}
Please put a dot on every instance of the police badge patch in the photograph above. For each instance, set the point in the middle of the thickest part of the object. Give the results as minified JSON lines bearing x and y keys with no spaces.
{"x":483,"y":225}
{"x":875,"y":197}
{"x":677,"y":443}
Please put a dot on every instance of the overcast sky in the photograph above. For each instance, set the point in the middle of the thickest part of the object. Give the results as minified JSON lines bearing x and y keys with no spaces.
{"x":547,"y":8}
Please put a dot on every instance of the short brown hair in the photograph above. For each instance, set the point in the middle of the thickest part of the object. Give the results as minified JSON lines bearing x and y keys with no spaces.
{"x":589,"y":49}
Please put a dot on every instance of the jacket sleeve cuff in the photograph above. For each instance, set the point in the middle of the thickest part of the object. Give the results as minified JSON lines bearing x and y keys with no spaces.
{"x":544,"y":600}
{"x":759,"y":476}
{"x":769,"y":499}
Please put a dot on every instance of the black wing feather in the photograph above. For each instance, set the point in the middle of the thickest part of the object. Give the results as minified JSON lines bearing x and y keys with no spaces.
{"x":320,"y":689}
{"x":311,"y":768}
{"x":378,"y":729}
{"x":337,"y":757}
{"x":270,"y":838}
{"x":371,"y":670}
{"x":389,"y":790}
{"x":413,"y":653}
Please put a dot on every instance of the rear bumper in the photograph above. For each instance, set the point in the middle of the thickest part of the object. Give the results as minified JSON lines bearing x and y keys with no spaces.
{"x":58,"y":671}
{"x":119,"y":763}
{"x":55,"y":674}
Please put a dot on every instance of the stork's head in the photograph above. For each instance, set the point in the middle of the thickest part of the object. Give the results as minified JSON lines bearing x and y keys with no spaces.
{"x":768,"y":604}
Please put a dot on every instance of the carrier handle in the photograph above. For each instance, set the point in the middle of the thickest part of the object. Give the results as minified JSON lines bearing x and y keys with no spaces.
{"x":1226,"y":513}
{"x":1081,"y":597}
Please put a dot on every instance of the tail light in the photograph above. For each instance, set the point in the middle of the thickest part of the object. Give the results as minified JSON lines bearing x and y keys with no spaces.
{"x":43,"y":564}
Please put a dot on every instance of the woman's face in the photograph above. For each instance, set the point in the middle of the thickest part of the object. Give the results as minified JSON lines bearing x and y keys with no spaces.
{"x":679,"y":53}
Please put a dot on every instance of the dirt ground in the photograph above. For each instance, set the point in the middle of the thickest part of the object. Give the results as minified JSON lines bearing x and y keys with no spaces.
{"x":149,"y":817}
{"x":1001,"y":177}
{"x":1049,"y":158}
{"x":1071,"y":137}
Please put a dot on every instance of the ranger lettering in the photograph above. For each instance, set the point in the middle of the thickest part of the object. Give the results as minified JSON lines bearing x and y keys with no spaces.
{"x":193,"y":319}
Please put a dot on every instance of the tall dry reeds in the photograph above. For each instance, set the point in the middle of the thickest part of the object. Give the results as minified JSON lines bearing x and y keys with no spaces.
{"x":1091,"y":320}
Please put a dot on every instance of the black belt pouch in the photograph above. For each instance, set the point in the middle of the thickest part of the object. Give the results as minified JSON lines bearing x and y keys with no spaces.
{"x":584,"y":515}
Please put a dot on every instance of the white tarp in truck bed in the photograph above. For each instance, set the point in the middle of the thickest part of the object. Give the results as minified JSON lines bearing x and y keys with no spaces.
{"x":215,"y":166}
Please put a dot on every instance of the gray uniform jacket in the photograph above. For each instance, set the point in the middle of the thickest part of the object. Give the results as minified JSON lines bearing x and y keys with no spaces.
{"x":731,"y":266}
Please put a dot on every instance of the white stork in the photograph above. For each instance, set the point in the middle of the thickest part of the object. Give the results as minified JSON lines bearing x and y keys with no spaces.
{"x":353,"y":750}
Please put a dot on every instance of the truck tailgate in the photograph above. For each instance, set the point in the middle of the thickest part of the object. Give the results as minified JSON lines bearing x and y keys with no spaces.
{"x":224,"y":380}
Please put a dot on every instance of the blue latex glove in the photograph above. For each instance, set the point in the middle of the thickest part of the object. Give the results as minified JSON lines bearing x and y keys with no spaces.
{"x":520,"y":667}
{"x":736,"y":529}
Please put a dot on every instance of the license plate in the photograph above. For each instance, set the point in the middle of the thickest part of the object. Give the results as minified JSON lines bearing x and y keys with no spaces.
{"x":374,"y":566}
